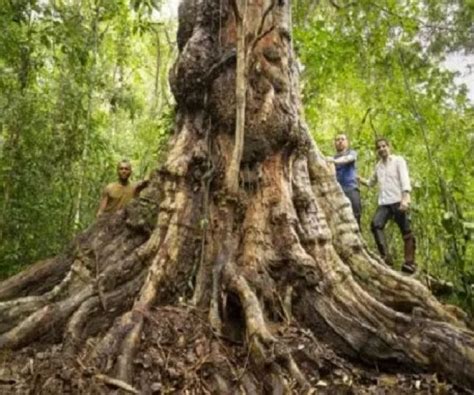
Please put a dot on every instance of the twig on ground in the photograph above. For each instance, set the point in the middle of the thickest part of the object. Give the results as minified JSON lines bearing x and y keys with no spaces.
{"x":117,"y":383}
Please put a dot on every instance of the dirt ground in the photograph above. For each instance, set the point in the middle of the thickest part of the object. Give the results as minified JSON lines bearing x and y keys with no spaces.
{"x":179,"y":354}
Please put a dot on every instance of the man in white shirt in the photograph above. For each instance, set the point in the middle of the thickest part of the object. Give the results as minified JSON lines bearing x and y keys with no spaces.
{"x":391,"y":174}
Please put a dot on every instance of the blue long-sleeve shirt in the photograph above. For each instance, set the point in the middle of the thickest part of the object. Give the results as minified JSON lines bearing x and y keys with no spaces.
{"x":346,"y":173}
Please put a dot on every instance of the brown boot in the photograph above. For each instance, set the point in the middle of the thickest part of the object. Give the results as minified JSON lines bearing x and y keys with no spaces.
{"x":410,"y":246}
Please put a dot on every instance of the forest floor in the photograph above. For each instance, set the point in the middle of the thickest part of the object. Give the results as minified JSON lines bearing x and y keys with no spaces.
{"x":179,"y":353}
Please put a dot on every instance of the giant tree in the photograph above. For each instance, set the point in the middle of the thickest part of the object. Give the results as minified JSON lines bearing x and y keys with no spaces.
{"x":244,"y":226}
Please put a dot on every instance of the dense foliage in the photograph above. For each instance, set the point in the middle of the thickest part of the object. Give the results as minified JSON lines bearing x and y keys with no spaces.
{"x":376,"y":69}
{"x":83,"y":84}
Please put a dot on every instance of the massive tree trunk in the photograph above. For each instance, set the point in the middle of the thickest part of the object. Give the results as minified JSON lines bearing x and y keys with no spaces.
{"x":243,"y":251}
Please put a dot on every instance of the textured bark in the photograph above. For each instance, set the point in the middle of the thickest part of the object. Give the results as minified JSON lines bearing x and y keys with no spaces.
{"x":281,"y":251}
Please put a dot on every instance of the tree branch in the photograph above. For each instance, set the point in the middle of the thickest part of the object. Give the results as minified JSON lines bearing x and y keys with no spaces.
{"x":117,"y":383}
{"x":339,"y":7}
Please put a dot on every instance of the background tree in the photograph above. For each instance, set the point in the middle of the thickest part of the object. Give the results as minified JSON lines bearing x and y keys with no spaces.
{"x":74,"y":100}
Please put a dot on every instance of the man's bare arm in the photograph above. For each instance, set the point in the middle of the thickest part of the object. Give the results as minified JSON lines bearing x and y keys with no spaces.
{"x":141,"y":185}
{"x":103,"y":203}
{"x":368,"y":182}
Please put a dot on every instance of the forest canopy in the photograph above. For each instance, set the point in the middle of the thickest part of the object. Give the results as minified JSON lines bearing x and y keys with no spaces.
{"x":82,"y":85}
{"x":376,"y":69}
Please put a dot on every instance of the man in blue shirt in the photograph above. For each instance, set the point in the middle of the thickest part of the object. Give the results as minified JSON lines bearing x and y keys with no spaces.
{"x":346,"y":173}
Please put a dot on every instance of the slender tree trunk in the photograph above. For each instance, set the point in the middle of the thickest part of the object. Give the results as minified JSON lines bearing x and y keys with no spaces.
{"x":156,"y":95}
{"x":12,"y":146}
{"x":88,"y":132}
{"x":275,"y":263}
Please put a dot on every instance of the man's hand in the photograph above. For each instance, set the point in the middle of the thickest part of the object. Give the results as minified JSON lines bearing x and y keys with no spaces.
{"x":362,"y":181}
{"x":141,"y":185}
{"x":404,"y":206}
{"x":405,"y":202}
{"x":332,"y":164}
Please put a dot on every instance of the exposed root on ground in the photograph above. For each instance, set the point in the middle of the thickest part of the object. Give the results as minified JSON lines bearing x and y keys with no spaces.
{"x":180,"y":352}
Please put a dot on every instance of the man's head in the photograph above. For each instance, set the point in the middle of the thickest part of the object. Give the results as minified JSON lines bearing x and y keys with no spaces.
{"x":124,"y":170}
{"x":341,"y":142}
{"x":382,"y":146}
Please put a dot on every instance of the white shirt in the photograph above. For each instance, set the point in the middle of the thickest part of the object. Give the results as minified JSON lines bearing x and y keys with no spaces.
{"x":393,"y":179}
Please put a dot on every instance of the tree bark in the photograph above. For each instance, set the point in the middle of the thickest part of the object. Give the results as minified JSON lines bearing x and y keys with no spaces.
{"x":281,"y":250}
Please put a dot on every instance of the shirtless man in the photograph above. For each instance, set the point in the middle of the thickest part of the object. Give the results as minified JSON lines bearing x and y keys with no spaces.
{"x":117,"y":195}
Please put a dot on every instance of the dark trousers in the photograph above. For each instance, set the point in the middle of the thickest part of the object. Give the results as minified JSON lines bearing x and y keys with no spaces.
{"x":354,"y":197}
{"x":402,"y":219}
